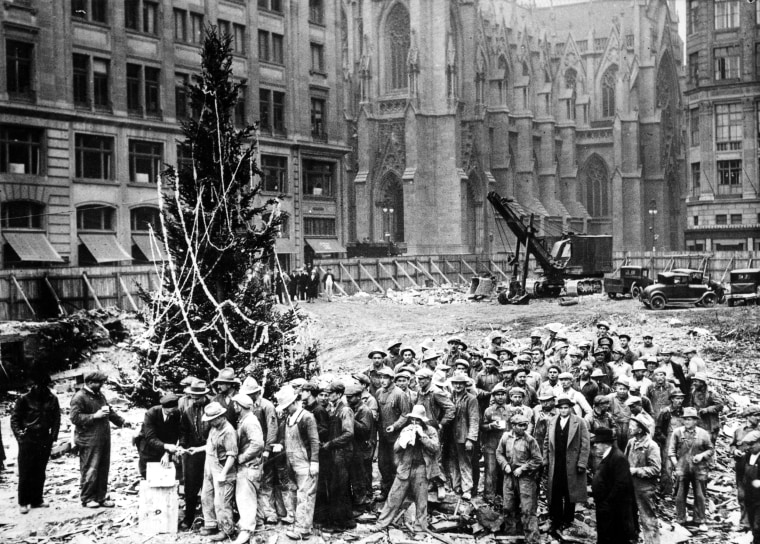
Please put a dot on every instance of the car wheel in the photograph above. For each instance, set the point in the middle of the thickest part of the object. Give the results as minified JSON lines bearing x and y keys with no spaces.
{"x":611,"y":295}
{"x":635,"y":291}
{"x":709,"y":301}
{"x":658,"y":303}
{"x":730,"y":303}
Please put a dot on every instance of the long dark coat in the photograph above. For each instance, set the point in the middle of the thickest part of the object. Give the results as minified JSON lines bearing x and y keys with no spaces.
{"x":612,"y":488}
{"x":578,"y":448}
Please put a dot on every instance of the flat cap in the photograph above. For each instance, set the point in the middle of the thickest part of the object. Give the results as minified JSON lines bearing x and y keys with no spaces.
{"x":424,"y":373}
{"x":337,"y":387}
{"x":751,"y":437}
{"x":243,"y":400}
{"x":96,"y":376}
{"x":170,"y":400}
{"x":566,"y":376}
{"x":517,"y":391}
{"x":518,"y":419}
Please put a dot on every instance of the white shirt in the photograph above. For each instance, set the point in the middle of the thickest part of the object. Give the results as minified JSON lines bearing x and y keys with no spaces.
{"x":563,"y":421}
{"x":606,"y":452}
{"x":753,"y":458}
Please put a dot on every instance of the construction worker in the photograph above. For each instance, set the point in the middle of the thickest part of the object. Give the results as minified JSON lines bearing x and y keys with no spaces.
{"x":738,"y":451}
{"x":360,"y":465}
{"x":249,"y":457}
{"x":645,"y":460}
{"x":492,"y":427}
{"x":463,"y":435}
{"x":338,"y":448}
{"x":394,"y":404}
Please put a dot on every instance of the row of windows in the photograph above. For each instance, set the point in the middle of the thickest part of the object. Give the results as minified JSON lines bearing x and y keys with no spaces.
{"x":729,"y":126}
{"x":727,"y":14}
{"x":726,"y":64}
{"x":26,"y":214}
{"x":143,"y":15}
{"x":729,"y":180}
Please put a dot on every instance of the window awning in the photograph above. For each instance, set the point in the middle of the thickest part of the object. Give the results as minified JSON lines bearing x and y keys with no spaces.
{"x":32,"y":246}
{"x":105,"y":248}
{"x":153,"y":250}
{"x":325,"y":245}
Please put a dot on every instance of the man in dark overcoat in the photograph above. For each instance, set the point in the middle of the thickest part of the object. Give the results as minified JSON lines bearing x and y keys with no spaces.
{"x":92,"y":417}
{"x":35,"y":422}
{"x":613,"y":493}
{"x":566,"y":451}
{"x":159,"y":433}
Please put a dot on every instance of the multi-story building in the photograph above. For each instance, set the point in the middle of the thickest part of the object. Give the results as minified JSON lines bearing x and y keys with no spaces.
{"x":91,"y":96}
{"x":572,"y":108}
{"x":723,"y":138}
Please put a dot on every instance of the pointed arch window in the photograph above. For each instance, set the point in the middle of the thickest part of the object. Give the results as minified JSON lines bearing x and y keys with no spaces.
{"x":397,"y":46}
{"x":609,"y":80}
{"x":504,"y":82}
{"x":597,"y":187}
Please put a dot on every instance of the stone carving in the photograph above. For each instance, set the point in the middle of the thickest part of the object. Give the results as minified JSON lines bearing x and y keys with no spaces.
{"x":392,"y":107}
{"x":391,"y":154}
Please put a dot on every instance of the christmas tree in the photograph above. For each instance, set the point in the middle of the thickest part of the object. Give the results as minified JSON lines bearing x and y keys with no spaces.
{"x":214,"y":310}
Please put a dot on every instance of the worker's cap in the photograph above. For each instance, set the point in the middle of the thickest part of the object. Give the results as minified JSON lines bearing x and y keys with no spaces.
{"x":362,"y":379}
{"x":251,"y":386}
{"x":690,"y":413}
{"x":546,"y":395}
{"x":584,"y":344}
{"x":393,"y":344}
{"x":603,"y":325}
{"x":751,"y":411}
{"x":623,"y":380}
{"x":410,"y":349}
{"x":574,"y":352}
{"x":618,"y":350}
{"x":386,"y":371}
{"x":337,"y":386}
{"x":459,"y":377}
{"x":535,"y":334}
{"x":561,"y":336}
{"x":555,"y":367}
{"x":689,"y":349}
{"x":601,"y":400}
{"x":750,"y":438}
{"x":493,"y":359}
{"x":520,"y":370}
{"x":424,"y":373}
{"x":564,"y":399}
{"x":535,"y":350}
{"x":430,"y":355}
{"x":605,"y":341}
{"x":243,"y":400}
{"x":632,"y":399}
{"x":96,"y":376}
{"x":376,"y":351}
{"x":666,"y":351}
{"x":625,"y":335}
{"x":599,"y":351}
{"x":639,"y":365}
{"x":561,"y":345}
{"x":603,"y":435}
{"x":462,"y":362}
{"x":647,"y":334}
{"x":701,"y":376}
{"x":297,"y":383}
{"x":498,"y":388}
{"x":524,"y":359}
{"x":442,"y":367}
{"x":170,"y":400}
{"x":353,"y":389}
{"x":517,"y":391}
{"x":519,"y":419}
{"x":476,"y":353}
{"x":403,"y":373}
{"x":212,"y":411}
{"x":566,"y":376}
{"x":678,"y":393}
{"x":457,"y":340}
{"x":586,"y":365}
{"x":598,"y":373}
{"x":312,"y":387}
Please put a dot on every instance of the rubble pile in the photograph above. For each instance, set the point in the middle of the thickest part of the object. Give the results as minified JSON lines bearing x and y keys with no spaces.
{"x":435,"y":296}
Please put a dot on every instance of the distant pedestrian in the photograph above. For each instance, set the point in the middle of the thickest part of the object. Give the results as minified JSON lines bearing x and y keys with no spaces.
{"x":613,"y":493}
{"x":329,"y":281}
{"x":35,"y":422}
{"x":312,"y":285}
{"x":91,"y":416}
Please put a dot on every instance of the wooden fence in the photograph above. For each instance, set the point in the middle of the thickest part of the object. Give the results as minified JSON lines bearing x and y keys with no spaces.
{"x":43,"y":293}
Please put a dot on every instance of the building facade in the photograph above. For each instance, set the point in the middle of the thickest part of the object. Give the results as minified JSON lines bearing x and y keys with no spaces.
{"x":574,"y":109}
{"x":91,"y":96}
{"x":723,"y":111}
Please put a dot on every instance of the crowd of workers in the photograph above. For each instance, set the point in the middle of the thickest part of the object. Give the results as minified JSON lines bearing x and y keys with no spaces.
{"x":547,"y":417}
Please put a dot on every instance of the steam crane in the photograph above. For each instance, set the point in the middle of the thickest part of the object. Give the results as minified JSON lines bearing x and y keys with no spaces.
{"x":576,"y":262}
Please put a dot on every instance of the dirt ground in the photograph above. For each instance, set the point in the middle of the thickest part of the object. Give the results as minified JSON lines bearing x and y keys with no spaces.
{"x":346,"y":330}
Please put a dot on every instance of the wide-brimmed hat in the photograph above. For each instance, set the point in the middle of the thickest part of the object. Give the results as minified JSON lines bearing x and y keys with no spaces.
{"x":418,"y":411}
{"x":564,"y":399}
{"x":690,"y":412}
{"x":604,"y":324}
{"x":584,"y":344}
{"x":212,"y":411}
{"x":459,"y":378}
{"x":250,"y":386}
{"x":430,"y":355}
{"x":198,"y":387}
{"x":457,"y":340}
{"x":297,"y":383}
{"x":187,"y":380}
{"x":498,"y":388}
{"x":507,"y":369}
{"x":643,"y":423}
{"x":243,"y":400}
{"x":427,"y":344}
{"x":689,"y":349}
{"x":463,"y":362}
{"x":546,"y":395}
{"x":639,"y":365}
{"x":407,"y":348}
{"x":376,"y":350}
{"x":227,"y":375}
{"x":625,"y":335}
{"x":535,"y":334}
{"x":603,"y":435}
{"x":386,"y":371}
{"x":598,"y":373}
{"x":490,"y":357}
{"x":393,"y":344}
{"x":623,"y":380}
{"x":285,"y":396}
{"x":750,"y":438}
{"x":553,"y":327}
{"x":701,"y":376}
{"x":424,"y":373}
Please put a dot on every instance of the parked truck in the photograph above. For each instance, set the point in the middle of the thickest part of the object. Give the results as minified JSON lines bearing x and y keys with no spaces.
{"x":744,"y":287}
{"x":573,"y":262}
{"x":632,"y":280}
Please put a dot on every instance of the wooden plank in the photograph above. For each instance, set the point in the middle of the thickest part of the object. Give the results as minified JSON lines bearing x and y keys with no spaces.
{"x":426,"y":273}
{"x":61,"y":311}
{"x":433,"y":265}
{"x":351,"y":278}
{"x":371,"y":277}
{"x":126,"y":292}
{"x":23,"y":295}
{"x":468,"y":266}
{"x":335,"y":283}
{"x":727,"y":270}
{"x":92,"y":291}
{"x":405,"y":273}
{"x":393,"y":279}
{"x":499,"y":270}
{"x":419,"y":270}
{"x":461,"y":277}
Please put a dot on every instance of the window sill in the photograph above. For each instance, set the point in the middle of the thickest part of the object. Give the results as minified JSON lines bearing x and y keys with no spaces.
{"x":87,"y":22}
{"x":140,"y":33}
{"x":22,"y":178}
{"x":318,"y":73}
{"x":27,"y":98}
{"x":272,"y":12}
{"x":276,"y":194}
{"x":318,"y":23}
{"x":187,"y":43}
{"x":268,"y":132}
{"x":91,"y":181}
{"x":272,"y":63}
{"x":326,"y":198}
{"x":149,"y":184}
{"x":21,"y":7}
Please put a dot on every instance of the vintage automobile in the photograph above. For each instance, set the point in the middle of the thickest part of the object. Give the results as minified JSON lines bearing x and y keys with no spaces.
{"x":632,"y":280}
{"x":681,"y":287}
{"x":744,"y":286}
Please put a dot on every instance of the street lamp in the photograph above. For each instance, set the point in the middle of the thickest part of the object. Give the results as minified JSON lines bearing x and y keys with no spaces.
{"x":653,"y":214}
{"x":388,"y":221}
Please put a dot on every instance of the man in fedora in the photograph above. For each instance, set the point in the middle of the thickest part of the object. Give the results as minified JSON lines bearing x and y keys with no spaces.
{"x":519,"y":457}
{"x":394,"y":404}
{"x":157,"y":440}
{"x":377,"y":361}
{"x":226,"y":385}
{"x":463,"y":436}
{"x":265,"y":412}
{"x":690,"y":451}
{"x":645,"y":460}
{"x":302,"y":453}
{"x":612,"y":488}
{"x":416,"y":448}
{"x":249,"y":459}
{"x":219,"y":474}
{"x":566,"y":453}
{"x":193,"y":433}
{"x":92,"y":417}
{"x":35,"y":421}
